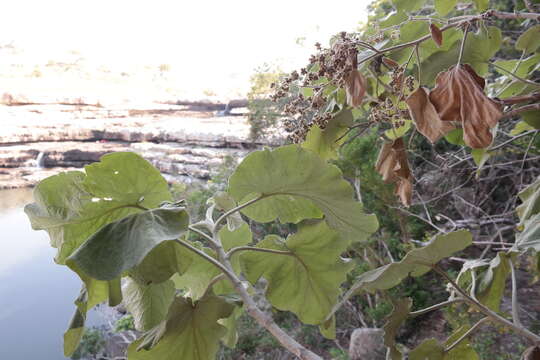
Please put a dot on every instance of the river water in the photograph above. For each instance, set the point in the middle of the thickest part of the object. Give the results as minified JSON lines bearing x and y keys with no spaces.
{"x":36,"y":295}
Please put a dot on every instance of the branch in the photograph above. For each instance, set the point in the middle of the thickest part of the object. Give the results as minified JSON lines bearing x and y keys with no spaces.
{"x":233,"y":210}
{"x":201,"y":233}
{"x":521,"y":109}
{"x":207,"y":257}
{"x":515,"y":305}
{"x":251,"y":248}
{"x":535,"y":339}
{"x":521,"y":98}
{"x":435,"y":307}
{"x":467,"y":333}
{"x":264,"y":320}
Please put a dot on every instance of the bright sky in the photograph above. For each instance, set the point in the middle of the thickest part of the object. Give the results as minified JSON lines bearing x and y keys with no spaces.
{"x":204,"y":37}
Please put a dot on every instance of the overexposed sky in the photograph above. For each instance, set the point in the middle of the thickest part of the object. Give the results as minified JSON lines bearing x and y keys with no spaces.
{"x":197,"y":36}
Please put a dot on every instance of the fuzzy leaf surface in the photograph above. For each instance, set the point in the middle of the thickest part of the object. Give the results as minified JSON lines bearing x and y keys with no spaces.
{"x":307,"y":281}
{"x":296,"y":184}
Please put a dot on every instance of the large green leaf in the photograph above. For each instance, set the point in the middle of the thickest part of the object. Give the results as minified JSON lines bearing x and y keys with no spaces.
{"x":417,"y":262}
{"x":530,"y":201}
{"x":493,"y":282}
{"x":225,"y":202}
{"x":443,"y":7}
{"x":231,"y":323}
{"x":529,"y":41}
{"x":307,"y":280}
{"x":239,"y":237}
{"x":408,"y":5}
{"x":122,"y":245}
{"x":481,"y":5}
{"x":520,"y":68}
{"x":296,"y":184}
{"x":429,"y":349}
{"x":196,"y":279}
{"x":75,"y":331}
{"x":397,"y":317}
{"x":147,"y":303}
{"x":72,"y":206}
{"x":532,"y":118}
{"x":326,"y":143}
{"x":163,"y":261}
{"x":191,"y":332}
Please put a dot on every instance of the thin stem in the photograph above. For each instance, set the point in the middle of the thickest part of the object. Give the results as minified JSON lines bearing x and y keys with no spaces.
{"x":465,"y":32}
{"x":250,"y":248}
{"x":515,"y":76}
{"x":513,"y":139}
{"x":467,"y":333}
{"x":435,"y":307}
{"x":264,"y":320}
{"x":486,"y":311}
{"x":233,"y":210}
{"x":206,"y":257}
{"x":521,"y":109}
{"x":201,"y":233}
{"x":515,"y":305}
{"x":417,"y":52}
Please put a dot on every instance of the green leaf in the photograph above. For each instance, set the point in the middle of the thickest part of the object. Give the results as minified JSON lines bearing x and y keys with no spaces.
{"x":231,"y":324}
{"x":75,"y":331}
{"x":306,"y":92}
{"x":532,"y":118}
{"x":530,"y":201}
{"x":225,"y":202}
{"x":393,"y":18}
{"x":124,"y":244}
{"x":408,"y":5}
{"x":480,"y":47}
{"x":397,"y":317}
{"x":493,"y":282}
{"x":455,"y":137}
{"x":72,"y":206}
{"x":199,"y":274}
{"x":163,"y":261}
{"x":296,"y":185}
{"x":530,"y":237}
{"x":520,"y":68}
{"x":462,"y":351}
{"x":328,"y":328}
{"x":417,"y":262}
{"x":191,"y":331}
{"x":481,"y":5}
{"x":443,"y":7}
{"x":520,"y":127}
{"x":303,"y":281}
{"x":326,"y":143}
{"x":147,"y":303}
{"x":480,"y":157}
{"x":399,"y":131}
{"x":429,"y":349}
{"x":529,"y":41}
{"x":239,"y":237}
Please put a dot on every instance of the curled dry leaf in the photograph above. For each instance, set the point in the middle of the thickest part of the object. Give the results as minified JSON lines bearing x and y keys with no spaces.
{"x":393,"y":166}
{"x":355,"y":88}
{"x":532,"y":353}
{"x":436,"y":34}
{"x":459,"y":97}
{"x":425,"y":116}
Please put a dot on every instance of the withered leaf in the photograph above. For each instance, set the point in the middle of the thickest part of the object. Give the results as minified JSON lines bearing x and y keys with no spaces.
{"x":532,"y":353}
{"x":390,"y":63}
{"x":459,"y":97}
{"x":425,"y":116}
{"x":355,"y":88}
{"x":393,"y":166}
{"x":436,"y":34}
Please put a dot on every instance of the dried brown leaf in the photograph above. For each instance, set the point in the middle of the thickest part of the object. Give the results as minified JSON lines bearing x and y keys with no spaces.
{"x":393,"y":166}
{"x":425,"y":116}
{"x":436,"y":34}
{"x":355,"y":88}
{"x":459,"y":96}
{"x":532,"y":353}
{"x":390,"y":63}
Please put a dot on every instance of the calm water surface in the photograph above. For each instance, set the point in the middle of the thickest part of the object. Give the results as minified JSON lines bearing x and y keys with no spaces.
{"x":36,"y":295}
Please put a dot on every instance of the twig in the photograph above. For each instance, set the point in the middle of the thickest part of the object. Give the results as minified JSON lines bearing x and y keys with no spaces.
{"x":467,"y":333}
{"x":521,"y":109}
{"x":465,"y":33}
{"x":201,"y":233}
{"x":515,"y":305}
{"x":435,"y":307}
{"x":232,"y":211}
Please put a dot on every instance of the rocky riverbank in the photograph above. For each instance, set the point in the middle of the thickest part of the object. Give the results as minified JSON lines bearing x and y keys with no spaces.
{"x":37,"y":141}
